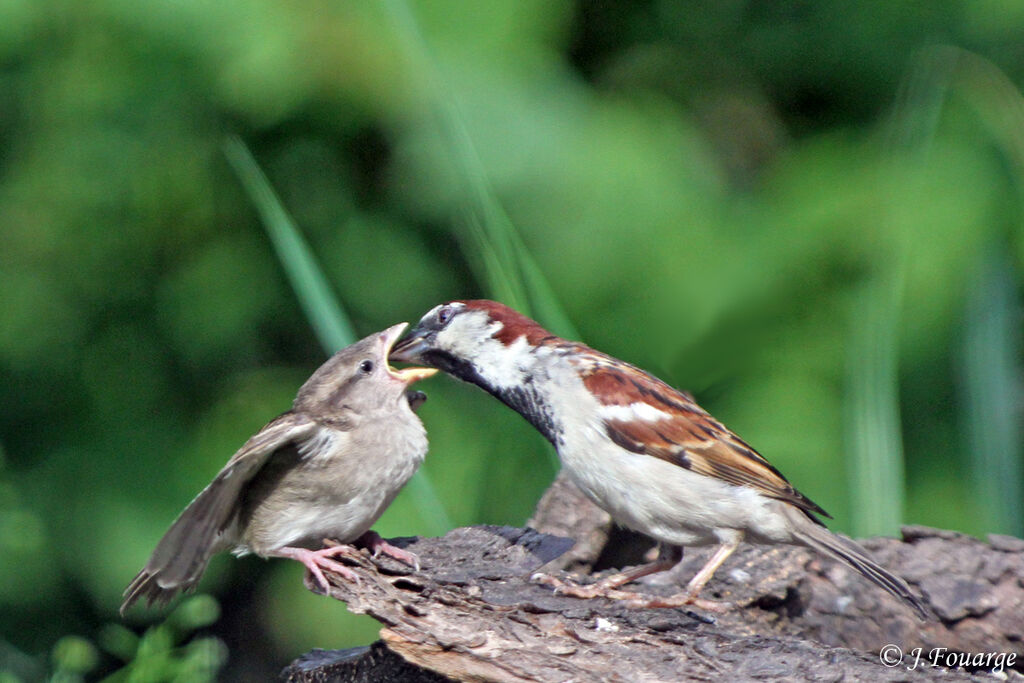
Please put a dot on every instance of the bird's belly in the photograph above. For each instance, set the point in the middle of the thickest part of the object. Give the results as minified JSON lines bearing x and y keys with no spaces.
{"x":666,"y":501}
{"x":311,"y":502}
{"x":307,"y":524}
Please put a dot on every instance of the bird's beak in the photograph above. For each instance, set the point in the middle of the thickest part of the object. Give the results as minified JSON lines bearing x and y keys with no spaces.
{"x":407,"y":375}
{"x":409,"y":349}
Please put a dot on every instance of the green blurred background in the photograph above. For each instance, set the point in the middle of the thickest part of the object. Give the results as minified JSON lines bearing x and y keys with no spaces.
{"x":808,"y":214}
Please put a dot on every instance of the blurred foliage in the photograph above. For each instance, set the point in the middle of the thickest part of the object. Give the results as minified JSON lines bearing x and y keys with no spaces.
{"x":809,"y":214}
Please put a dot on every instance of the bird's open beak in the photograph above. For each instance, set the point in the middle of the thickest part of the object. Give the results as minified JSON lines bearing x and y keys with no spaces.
{"x":408,"y":350}
{"x":407,"y":375}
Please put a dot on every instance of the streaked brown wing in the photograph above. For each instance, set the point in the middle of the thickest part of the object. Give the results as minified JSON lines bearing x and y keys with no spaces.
{"x":688,"y":436}
{"x":727,"y":458}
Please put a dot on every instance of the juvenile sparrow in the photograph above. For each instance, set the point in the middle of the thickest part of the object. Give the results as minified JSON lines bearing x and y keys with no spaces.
{"x":641,"y":450}
{"x":327,"y":468}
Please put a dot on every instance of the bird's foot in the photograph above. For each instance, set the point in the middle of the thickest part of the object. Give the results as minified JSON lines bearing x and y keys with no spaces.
{"x":600,"y":589}
{"x":372,"y":541}
{"x":318,"y":560}
{"x":609,"y":588}
{"x":638,"y":601}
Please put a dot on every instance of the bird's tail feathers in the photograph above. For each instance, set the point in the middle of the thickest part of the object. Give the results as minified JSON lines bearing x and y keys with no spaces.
{"x":181,"y":556}
{"x":150,"y":586}
{"x":848,"y":552}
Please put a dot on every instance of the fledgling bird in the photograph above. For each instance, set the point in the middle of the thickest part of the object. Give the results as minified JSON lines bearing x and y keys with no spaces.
{"x":327,"y":468}
{"x":646,"y":453}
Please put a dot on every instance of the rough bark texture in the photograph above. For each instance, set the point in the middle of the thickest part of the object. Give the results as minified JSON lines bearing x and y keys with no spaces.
{"x":563,"y":510}
{"x":472,"y":613}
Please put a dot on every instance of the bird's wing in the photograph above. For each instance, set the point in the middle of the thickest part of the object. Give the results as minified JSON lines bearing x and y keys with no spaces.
{"x":182,"y":554}
{"x":644,"y":415}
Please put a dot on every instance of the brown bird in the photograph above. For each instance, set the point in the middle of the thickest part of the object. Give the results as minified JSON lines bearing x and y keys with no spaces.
{"x":646,"y":453}
{"x":327,"y":468}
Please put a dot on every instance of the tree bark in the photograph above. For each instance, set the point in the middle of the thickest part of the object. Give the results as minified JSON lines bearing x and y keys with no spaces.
{"x":472,"y":613}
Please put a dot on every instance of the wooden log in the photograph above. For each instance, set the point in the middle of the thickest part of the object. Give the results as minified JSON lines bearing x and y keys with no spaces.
{"x":472,"y":613}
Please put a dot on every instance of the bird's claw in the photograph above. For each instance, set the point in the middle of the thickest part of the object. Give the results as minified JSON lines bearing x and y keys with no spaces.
{"x":576,"y":590}
{"x":629,"y":598}
{"x":318,"y":560}
{"x":680,"y":600}
{"x":377,"y":546}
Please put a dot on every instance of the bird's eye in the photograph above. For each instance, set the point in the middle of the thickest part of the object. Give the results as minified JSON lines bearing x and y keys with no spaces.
{"x":444,"y":314}
{"x":366,"y":367}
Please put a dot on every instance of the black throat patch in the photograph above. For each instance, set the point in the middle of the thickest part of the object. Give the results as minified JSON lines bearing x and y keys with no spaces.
{"x":525,"y":400}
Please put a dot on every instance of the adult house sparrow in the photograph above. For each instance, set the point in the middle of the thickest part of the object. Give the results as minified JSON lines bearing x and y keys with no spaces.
{"x":327,"y":468}
{"x":641,"y":450}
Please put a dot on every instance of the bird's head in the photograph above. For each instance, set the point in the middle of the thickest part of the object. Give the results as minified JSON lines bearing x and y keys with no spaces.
{"x":358,"y":379}
{"x":479,"y":341}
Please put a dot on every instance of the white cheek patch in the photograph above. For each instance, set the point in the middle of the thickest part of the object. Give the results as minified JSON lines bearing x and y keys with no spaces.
{"x":471,"y":336}
{"x":634,"y":411}
{"x":503,"y":366}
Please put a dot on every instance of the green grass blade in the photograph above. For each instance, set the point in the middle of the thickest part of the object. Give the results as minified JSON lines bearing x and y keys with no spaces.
{"x":429,"y":504}
{"x":510,"y":273}
{"x":991,"y":370}
{"x":328,"y":319}
{"x":872,"y":412}
{"x":990,"y":357}
{"x":873,"y":426}
{"x":546,"y":305}
{"x":992,"y":343}
{"x":331,"y":325}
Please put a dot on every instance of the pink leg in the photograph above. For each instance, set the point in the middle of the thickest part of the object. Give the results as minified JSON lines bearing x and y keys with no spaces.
{"x":608,"y":588}
{"x":372,"y":541}
{"x":314,"y":560}
{"x":693,"y":589}
{"x":605,"y":587}
{"x":668,"y":557}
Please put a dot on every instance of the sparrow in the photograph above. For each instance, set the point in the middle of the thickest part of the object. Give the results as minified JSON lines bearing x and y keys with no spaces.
{"x":326,"y":469}
{"x":643,"y":451}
